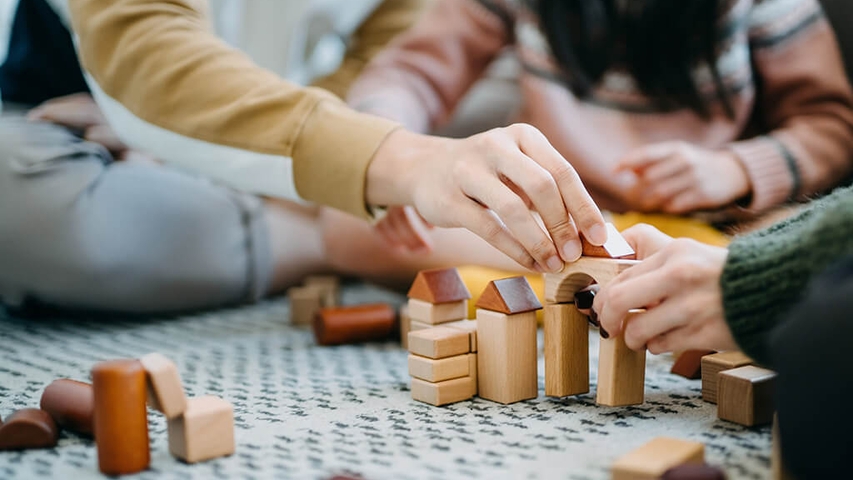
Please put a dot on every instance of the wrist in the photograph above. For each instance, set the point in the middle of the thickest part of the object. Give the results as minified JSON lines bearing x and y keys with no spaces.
{"x":739,"y":177}
{"x":391,"y":173}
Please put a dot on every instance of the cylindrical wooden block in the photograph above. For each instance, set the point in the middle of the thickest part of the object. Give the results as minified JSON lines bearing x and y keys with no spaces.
{"x":362,"y":323}
{"x":71,"y":404}
{"x":121,"y":422}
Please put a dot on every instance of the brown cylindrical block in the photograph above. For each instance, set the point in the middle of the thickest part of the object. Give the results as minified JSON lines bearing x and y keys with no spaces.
{"x":361,"y":323}
{"x":71,"y":404}
{"x":27,"y":429}
{"x":121,"y":421}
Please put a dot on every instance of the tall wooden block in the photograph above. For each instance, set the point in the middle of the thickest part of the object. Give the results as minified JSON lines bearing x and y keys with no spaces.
{"x":120,"y":419}
{"x":653,"y":459}
{"x":712,"y":365}
{"x":566,"y":351}
{"x":469,"y":326}
{"x":442,"y":393}
{"x":745,"y":395}
{"x":328,"y":287}
{"x":506,"y":356}
{"x":439,"y":342}
{"x":436,"y":313}
{"x":165,"y":391}
{"x":405,"y":326}
{"x":439,"y":370}
{"x":305,"y":302}
{"x":621,"y":373}
{"x":205,"y":430}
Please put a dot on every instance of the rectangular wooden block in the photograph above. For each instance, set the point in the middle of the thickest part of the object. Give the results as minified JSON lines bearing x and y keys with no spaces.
{"x":165,"y":390}
{"x":442,"y":393}
{"x":405,"y":326}
{"x":439,"y":370}
{"x":305,"y":302}
{"x":621,"y":373}
{"x":745,"y":395}
{"x":566,"y":351}
{"x":328,"y":286}
{"x":653,"y":459}
{"x":506,"y":356}
{"x":205,"y":431}
{"x":472,"y":368}
{"x":469,"y":326}
{"x":439,"y":342}
{"x":712,"y":365}
{"x":689,"y":364}
{"x":414,"y":326}
{"x":437,"y":313}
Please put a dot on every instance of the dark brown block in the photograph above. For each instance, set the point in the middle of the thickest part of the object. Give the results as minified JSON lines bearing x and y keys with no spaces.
{"x":615,"y":247}
{"x":509,"y":296}
{"x":713,"y":364}
{"x":121,"y":422}
{"x":29,"y":428}
{"x":71,"y":404}
{"x":745,"y":395}
{"x":689,"y":364}
{"x":442,"y":285}
{"x":362,"y":323}
{"x":694,"y":472}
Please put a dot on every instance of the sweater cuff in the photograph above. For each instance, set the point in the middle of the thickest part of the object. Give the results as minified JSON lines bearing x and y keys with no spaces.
{"x":771,"y":169}
{"x":332,"y":153}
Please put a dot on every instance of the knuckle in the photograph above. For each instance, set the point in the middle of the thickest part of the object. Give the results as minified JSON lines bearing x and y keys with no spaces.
{"x":543,"y":249}
{"x":512,"y":209}
{"x":542,"y":184}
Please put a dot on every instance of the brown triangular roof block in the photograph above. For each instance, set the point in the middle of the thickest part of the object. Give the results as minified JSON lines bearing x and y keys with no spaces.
{"x":615,"y":247}
{"x":442,"y":285}
{"x":509,"y":296}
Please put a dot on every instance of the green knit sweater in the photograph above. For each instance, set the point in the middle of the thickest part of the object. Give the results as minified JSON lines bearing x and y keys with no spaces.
{"x":767,"y":272}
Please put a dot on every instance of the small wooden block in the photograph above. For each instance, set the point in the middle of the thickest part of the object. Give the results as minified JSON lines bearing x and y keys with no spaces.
{"x":305,"y":302}
{"x":439,"y":370}
{"x":441,"y":285}
{"x":27,"y":429}
{"x":439,"y":342}
{"x":615,"y":247}
{"x":405,"y":326}
{"x":745,"y":395}
{"x":165,"y":391}
{"x":509,"y":296}
{"x":442,"y":393}
{"x":469,"y":326}
{"x":506,"y":356}
{"x":205,"y":430}
{"x":712,"y":365}
{"x":566,"y":351}
{"x":328,"y":286}
{"x":689,"y":364}
{"x":621,"y":373}
{"x":653,"y":459}
{"x":435,"y":314}
{"x":414,"y":326}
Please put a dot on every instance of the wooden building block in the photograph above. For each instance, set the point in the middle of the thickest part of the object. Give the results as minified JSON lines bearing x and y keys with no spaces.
{"x":439,"y":370}
{"x":689,"y":364}
{"x":469,"y":326}
{"x":745,"y":395}
{"x":439,"y":342}
{"x":305,"y":302}
{"x":354,"y":324}
{"x":328,"y":286}
{"x":566,"y":351}
{"x":509,"y":296}
{"x":205,"y":430}
{"x":414,"y":326}
{"x":615,"y":247}
{"x":71,"y":404}
{"x":713,"y":364}
{"x":653,"y":459}
{"x":506,"y":356}
{"x":405,"y":326}
{"x":165,"y":390}
{"x":442,"y":393}
{"x":28,"y":429}
{"x":441,"y":285}
{"x":621,"y":373}
{"x":435,"y":314}
{"x":472,"y":367}
{"x":562,"y":287}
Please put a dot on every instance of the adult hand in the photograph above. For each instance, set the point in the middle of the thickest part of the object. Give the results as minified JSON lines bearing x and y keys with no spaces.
{"x":404,"y":228}
{"x":486,"y":183}
{"x":80,"y":112}
{"x":678,"y":177}
{"x":678,"y":283}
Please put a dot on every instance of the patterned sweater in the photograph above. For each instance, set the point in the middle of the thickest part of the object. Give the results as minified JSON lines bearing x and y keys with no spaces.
{"x":779,"y":59}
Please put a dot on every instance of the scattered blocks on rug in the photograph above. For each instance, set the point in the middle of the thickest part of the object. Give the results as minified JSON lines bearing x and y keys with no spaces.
{"x":713,"y":364}
{"x":71,"y":404}
{"x":355,"y":324}
{"x":27,"y":429}
{"x":566,"y":351}
{"x":205,"y":430}
{"x":165,"y":391}
{"x":689,"y":364}
{"x":621,"y":372}
{"x":745,"y":395}
{"x":305,"y":302}
{"x":328,"y":287}
{"x":655,"y":458}
{"x":615,"y":247}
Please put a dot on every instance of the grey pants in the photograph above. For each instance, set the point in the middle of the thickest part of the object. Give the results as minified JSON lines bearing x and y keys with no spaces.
{"x":79,"y":230}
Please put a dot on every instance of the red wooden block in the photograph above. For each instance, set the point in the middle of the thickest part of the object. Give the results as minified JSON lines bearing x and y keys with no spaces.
{"x":28,"y":428}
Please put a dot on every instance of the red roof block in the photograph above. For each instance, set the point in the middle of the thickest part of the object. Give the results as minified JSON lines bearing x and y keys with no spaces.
{"x":442,"y":285}
{"x":509,"y":296}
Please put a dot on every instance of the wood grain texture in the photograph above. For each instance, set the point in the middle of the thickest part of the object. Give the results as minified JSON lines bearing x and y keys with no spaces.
{"x":442,"y":393}
{"x":205,"y":431}
{"x":439,"y":342}
{"x":652,"y":460}
{"x":165,"y":390}
{"x":745,"y":395}
{"x":506,"y":356}
{"x":566,"y":351}
{"x":562,"y":287}
{"x":469,"y":326}
{"x":510,"y":296}
{"x":437,"y":313}
{"x":305,"y":302}
{"x":433,"y":370}
{"x":621,"y":373}
{"x":441,"y":285}
{"x":713,"y":364}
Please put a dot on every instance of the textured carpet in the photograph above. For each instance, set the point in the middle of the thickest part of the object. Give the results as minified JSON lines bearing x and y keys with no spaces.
{"x":304,"y":411}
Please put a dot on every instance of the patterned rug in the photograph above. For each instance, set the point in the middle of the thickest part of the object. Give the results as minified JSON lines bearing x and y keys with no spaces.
{"x":305,"y":412}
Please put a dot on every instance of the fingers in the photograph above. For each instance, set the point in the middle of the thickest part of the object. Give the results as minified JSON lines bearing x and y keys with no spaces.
{"x":658,"y":195}
{"x":646,"y":240}
{"x":105,"y":136}
{"x":645,"y":157}
{"x":659,"y":321}
{"x":685,"y":201}
{"x":616,"y":299}
{"x":486,"y":224}
{"x":665,"y":169}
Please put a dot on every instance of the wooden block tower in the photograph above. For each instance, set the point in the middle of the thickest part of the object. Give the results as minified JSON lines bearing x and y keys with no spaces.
{"x":506,"y":341}
{"x":437,"y":296}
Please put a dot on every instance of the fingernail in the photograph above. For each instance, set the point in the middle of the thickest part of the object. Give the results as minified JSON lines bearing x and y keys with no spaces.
{"x":538,"y":268}
{"x":593,"y":319}
{"x":572,"y":250}
{"x":555,"y":264}
{"x":584,"y":299}
{"x":598,"y":234}
{"x":603,"y":332}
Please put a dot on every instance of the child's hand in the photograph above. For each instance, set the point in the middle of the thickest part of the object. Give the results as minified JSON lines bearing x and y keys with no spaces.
{"x":678,"y":177}
{"x":403,"y":228}
{"x":678,"y":285}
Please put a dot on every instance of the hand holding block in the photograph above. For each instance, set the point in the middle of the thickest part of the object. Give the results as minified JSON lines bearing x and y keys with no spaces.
{"x":653,"y":459}
{"x":27,"y":429}
{"x":745,"y":395}
{"x":615,"y":247}
{"x":71,"y":404}
{"x":439,"y":342}
{"x":566,"y":351}
{"x":205,"y":430}
{"x":712,"y":365}
{"x":165,"y":391}
{"x":621,"y":372}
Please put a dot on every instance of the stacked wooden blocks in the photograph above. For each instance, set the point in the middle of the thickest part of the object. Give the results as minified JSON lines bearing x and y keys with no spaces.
{"x":317,"y":292}
{"x":712,"y":365}
{"x":437,"y":296}
{"x":742,"y":391}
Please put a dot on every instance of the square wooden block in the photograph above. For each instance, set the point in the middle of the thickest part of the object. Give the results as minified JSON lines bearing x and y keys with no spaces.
{"x":305,"y":302}
{"x":436,"y":313}
{"x":745,"y":395}
{"x":713,"y":364}
{"x":439,"y":342}
{"x":205,"y":431}
{"x":653,"y":459}
{"x":507,"y":356}
{"x":165,"y":390}
{"x":443,"y":393}
{"x":328,"y":287}
{"x":439,"y":370}
{"x":469,"y":326}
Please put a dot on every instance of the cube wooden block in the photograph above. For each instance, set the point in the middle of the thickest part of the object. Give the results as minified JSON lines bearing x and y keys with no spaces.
{"x":712,"y":365}
{"x":745,"y":395}
{"x":328,"y":286}
{"x":205,"y":431}
{"x":439,"y":370}
{"x":305,"y":302}
{"x":689,"y":364}
{"x":469,"y":326}
{"x":653,"y":459}
{"x":405,"y":326}
{"x":436,"y":313}
{"x":443,"y":393}
{"x":566,"y":351}
{"x":506,"y":356}
{"x":165,"y":390}
{"x":439,"y":342}
{"x":621,"y":373}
